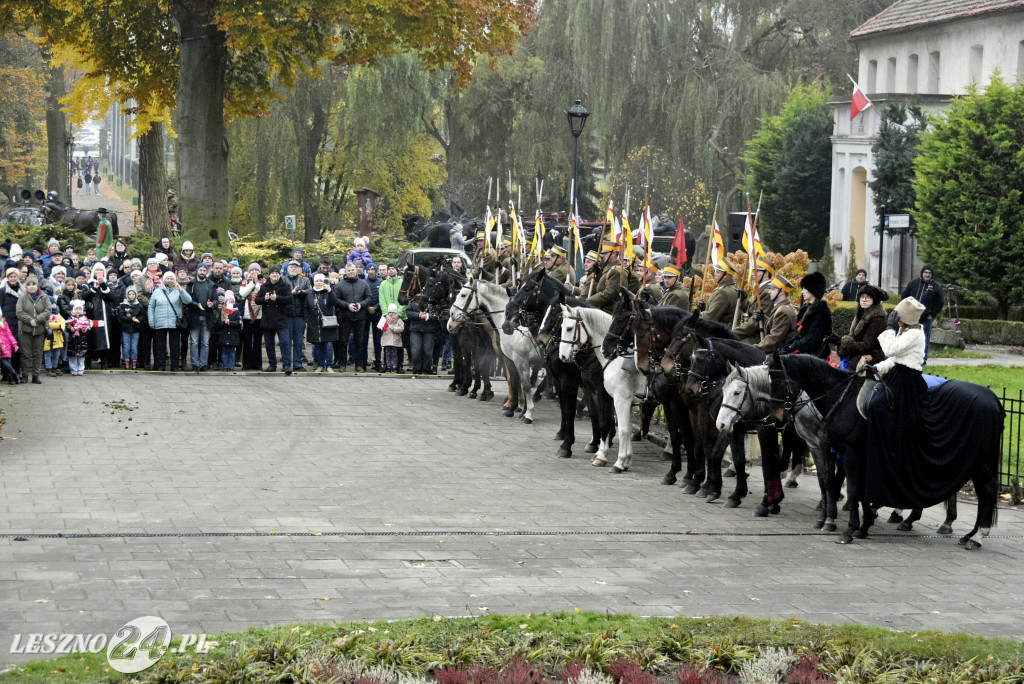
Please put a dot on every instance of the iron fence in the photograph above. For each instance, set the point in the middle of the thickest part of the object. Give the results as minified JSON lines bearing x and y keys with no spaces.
{"x":1010,"y":469}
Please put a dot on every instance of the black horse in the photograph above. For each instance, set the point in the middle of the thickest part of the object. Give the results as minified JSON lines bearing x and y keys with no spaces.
{"x":472,"y":352}
{"x":834,"y":393}
{"x":526,"y":308}
{"x":647,"y":330}
{"x":86,"y":221}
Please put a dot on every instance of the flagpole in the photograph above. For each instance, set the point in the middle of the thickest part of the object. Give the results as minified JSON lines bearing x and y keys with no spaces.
{"x":707,"y":258}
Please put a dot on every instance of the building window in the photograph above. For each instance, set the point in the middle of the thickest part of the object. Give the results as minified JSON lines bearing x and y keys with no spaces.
{"x":933,"y":72}
{"x":872,"y":84}
{"x":890,"y":76}
{"x":977,"y":57}
{"x":912,"y":74}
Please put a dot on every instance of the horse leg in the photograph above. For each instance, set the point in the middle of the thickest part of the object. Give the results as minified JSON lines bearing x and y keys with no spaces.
{"x":646,"y":415}
{"x":525,"y":377}
{"x":567,"y":391}
{"x":908,"y":522}
{"x":695,"y":470}
{"x":739,"y":458}
{"x":947,"y":525}
{"x":771,"y":468}
{"x":713,"y":482}
{"x":623,"y":400}
{"x":675,"y":434}
{"x":797,"y":448}
{"x":854,"y":492}
{"x":986,"y":486}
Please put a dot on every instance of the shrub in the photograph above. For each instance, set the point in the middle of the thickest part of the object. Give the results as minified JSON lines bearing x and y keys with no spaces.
{"x":688,"y":674}
{"x":842,"y":315}
{"x":37,"y":236}
{"x":976,"y":331}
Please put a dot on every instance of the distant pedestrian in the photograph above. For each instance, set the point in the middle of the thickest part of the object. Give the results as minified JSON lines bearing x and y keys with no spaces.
{"x":96,"y":184}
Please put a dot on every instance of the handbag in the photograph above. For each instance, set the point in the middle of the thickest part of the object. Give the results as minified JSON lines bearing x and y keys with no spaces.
{"x":180,"y":321}
{"x":328,"y":321}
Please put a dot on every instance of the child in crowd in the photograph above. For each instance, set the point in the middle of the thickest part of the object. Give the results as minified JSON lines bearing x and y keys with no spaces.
{"x":78,"y":342}
{"x":228,"y":329}
{"x":360,"y":253}
{"x":8,"y":348}
{"x":391,"y":338}
{"x":53,"y":347}
{"x":129,"y":312}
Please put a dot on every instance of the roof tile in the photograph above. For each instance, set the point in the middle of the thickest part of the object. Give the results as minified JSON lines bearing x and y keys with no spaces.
{"x":905,"y":15}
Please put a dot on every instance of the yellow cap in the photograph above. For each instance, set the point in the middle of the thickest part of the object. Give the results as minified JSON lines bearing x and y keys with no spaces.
{"x":726,"y":265}
{"x":671,"y":271}
{"x":764,"y":265}
{"x":592,"y":255}
{"x":481,"y":235}
{"x":558,"y":251}
{"x":610,"y":246}
{"x":782,"y":284}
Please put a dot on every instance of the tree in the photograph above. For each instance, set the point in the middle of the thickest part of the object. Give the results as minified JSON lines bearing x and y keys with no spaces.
{"x":673,"y":190}
{"x":217,"y":59}
{"x":790,"y":161}
{"x":21,"y":107}
{"x":899,"y":136}
{"x":969,"y":183}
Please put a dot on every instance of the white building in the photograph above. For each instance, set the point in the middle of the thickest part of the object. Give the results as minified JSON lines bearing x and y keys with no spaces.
{"x":927,"y":51}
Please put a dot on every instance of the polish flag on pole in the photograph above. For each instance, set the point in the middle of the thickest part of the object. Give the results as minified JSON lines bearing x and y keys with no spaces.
{"x":859,"y":102}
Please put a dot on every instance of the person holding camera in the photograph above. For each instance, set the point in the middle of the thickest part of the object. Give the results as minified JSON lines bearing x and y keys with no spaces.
{"x":274,"y":296}
{"x":101,"y":299}
{"x":166,"y":308}
{"x":252,"y":314}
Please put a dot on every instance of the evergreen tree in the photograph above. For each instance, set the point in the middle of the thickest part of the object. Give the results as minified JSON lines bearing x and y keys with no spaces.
{"x":895,"y":149}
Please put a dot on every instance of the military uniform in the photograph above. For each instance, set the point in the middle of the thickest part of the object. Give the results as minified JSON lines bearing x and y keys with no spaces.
{"x":779,"y":328}
{"x":561,"y":271}
{"x":722,"y":304}
{"x":750,"y":330}
{"x":588,"y":283}
{"x":607,"y":291}
{"x":676,"y":296}
{"x":486,"y":266}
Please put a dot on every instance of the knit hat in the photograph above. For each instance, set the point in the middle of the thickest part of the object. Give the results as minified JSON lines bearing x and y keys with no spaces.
{"x":319,"y":277}
{"x":12,"y":270}
{"x":300,"y":250}
{"x":255,"y":267}
{"x":77,"y":304}
{"x":152,"y":261}
{"x":229,"y":296}
{"x":32,"y":280}
{"x":170,"y":276}
{"x":909,"y":310}
{"x":205,"y":254}
{"x":202,"y":266}
{"x":15,"y":251}
{"x":371,"y":265}
{"x":815,"y":284}
{"x":871,"y":291}
{"x":392,"y":308}
{"x":58,"y":269}
{"x":160,"y":257}
{"x":136,"y":261}
{"x":134,"y":273}
{"x":187,"y":244}
{"x":53,"y":241}
{"x":359,"y":241}
{"x":236,"y":272}
{"x":233,"y":262}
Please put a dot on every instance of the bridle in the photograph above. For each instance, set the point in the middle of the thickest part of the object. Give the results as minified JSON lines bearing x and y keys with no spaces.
{"x":790,"y":404}
{"x":521,"y":316}
{"x":743,"y":398}
{"x":654,"y":355}
{"x":578,"y":342}
{"x":705,"y":383}
{"x":414,"y":282}
{"x":623,"y":348}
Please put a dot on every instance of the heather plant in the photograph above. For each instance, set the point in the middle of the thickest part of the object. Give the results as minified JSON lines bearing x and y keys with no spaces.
{"x":767,"y":667}
{"x":807,"y":670}
{"x":689,"y":674}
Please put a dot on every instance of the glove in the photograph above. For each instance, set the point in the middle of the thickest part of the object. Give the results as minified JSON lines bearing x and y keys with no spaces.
{"x":869,"y":370}
{"x":759,"y":315}
{"x":702,"y":306}
{"x":645,"y":295}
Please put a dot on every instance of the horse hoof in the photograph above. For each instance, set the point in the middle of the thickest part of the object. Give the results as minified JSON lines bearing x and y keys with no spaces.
{"x":860,"y":534}
{"x":829,"y":527}
{"x":894,"y":518}
{"x":668,"y":480}
{"x":486,"y":396}
{"x":844,"y":538}
{"x":818,"y":507}
{"x":451,"y":388}
{"x":590,"y":448}
{"x":761,"y":511}
{"x":818,"y":524}
{"x":944,"y":529}
{"x":970,"y":544}
{"x":565,"y":453}
{"x":559,"y":435}
{"x":471,"y":395}
{"x":712,"y":497}
{"x":509,"y":413}
{"x":732,"y":503}
{"x":846,"y":506}
{"x":526,"y":421}
{"x":792,"y":484}
{"x":702,"y":492}
{"x":637,"y":436}
{"x":615,"y":470}
{"x":776,"y":509}
{"x":600,"y":463}
{"x":690,"y":489}
{"x":905,"y":526}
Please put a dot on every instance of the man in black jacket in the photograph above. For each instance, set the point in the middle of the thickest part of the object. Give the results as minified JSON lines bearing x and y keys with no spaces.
{"x":353,"y":317}
{"x":200,"y":317}
{"x":274,"y":296}
{"x":296,"y":313}
{"x":925,"y":290}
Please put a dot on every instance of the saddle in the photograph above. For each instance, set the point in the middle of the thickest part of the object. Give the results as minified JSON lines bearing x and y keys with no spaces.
{"x":864,"y":397}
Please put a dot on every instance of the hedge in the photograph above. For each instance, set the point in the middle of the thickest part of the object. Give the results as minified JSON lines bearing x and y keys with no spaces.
{"x":986,"y":312}
{"x":979,"y":331}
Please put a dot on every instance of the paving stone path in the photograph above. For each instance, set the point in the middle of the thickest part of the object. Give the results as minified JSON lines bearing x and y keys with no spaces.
{"x":221,"y":502}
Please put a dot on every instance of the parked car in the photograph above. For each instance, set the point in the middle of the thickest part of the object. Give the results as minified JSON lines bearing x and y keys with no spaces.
{"x":432,"y":257}
{"x":25,"y":215}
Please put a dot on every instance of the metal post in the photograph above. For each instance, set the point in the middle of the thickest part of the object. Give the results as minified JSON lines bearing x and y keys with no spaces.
{"x":575,"y":184}
{"x":881,"y":248}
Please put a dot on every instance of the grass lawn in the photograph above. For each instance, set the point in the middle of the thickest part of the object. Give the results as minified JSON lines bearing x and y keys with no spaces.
{"x":548,"y":642}
{"x":996,"y":377}
{"x":954,"y":353}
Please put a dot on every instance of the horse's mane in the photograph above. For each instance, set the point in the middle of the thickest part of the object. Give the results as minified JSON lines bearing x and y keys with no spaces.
{"x":667,"y":317}
{"x":595,"y":317}
{"x":738,"y":352}
{"x":705,"y":327}
{"x":818,"y":368}
{"x":578,"y":303}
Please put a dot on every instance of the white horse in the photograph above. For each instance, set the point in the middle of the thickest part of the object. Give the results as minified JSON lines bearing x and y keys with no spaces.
{"x":587,"y":328}
{"x":488,"y":301}
{"x":747,"y":395}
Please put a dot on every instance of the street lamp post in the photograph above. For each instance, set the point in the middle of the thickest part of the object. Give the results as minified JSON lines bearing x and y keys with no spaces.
{"x":70,"y":143}
{"x":577,"y":115}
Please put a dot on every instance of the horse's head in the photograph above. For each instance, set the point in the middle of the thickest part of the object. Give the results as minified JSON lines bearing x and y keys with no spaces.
{"x":620,"y":333}
{"x":652,"y":332}
{"x":676,"y":359}
{"x":551,"y":321}
{"x":413,"y":280}
{"x":737,"y":399}
{"x":465,"y":304}
{"x":575,"y":334}
{"x":525,"y":303}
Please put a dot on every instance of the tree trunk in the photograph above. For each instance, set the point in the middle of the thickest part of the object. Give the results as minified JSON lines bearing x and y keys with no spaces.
{"x":262,"y":163}
{"x":309,"y":121}
{"x":56,"y":136}
{"x":203,"y":145}
{"x":153,"y":182}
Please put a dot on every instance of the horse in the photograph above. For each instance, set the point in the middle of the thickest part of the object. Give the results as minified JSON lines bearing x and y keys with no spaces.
{"x":526,"y":308}
{"x":86,"y":221}
{"x":518,"y":346}
{"x":472,"y":353}
{"x":586,"y":328}
{"x":650,"y":330}
{"x":834,"y":392}
{"x":746,"y":397}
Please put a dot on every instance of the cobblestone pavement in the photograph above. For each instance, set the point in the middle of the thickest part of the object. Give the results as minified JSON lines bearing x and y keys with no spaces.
{"x":224,"y":502}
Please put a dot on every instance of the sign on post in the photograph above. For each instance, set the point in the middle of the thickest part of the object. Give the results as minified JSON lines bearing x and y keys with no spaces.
{"x":896,"y":221}
{"x":289,"y":222}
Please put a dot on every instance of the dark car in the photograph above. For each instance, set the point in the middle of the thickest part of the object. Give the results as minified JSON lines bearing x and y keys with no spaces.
{"x":432,"y":257}
{"x":25,"y":215}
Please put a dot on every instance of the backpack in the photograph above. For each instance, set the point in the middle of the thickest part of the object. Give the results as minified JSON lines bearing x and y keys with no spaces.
{"x":79,"y":182}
